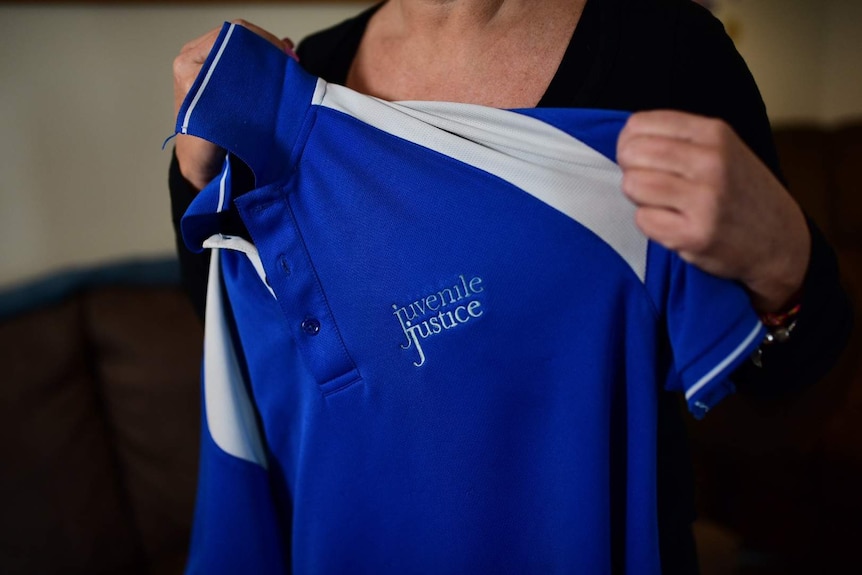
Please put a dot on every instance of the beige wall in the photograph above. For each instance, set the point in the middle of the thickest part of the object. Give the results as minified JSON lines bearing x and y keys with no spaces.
{"x":782,"y":42}
{"x":85,"y":103}
{"x":842,"y":61}
{"x":805,"y":54}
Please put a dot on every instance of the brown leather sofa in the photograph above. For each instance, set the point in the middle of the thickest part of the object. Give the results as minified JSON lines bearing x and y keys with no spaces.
{"x":100,"y":420}
{"x":99,"y":414}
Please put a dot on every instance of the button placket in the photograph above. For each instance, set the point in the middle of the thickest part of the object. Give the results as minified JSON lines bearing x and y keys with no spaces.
{"x":269,"y":219}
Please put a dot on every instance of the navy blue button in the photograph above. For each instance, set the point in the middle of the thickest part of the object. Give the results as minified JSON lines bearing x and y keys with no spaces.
{"x":310,"y":325}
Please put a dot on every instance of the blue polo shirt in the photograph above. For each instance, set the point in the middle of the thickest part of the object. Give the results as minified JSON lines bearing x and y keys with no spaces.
{"x":439,"y":347}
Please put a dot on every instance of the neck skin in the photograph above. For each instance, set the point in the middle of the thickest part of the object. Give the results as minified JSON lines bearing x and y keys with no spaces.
{"x":466,"y":14}
{"x":473,"y":16}
{"x":500,"y":53}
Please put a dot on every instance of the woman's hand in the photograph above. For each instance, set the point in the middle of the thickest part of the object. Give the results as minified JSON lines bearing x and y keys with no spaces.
{"x":701,"y":192}
{"x":200,"y":161}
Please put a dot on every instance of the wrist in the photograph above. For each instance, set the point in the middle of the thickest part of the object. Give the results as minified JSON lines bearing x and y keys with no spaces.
{"x":776,"y":284}
{"x":199,"y":161}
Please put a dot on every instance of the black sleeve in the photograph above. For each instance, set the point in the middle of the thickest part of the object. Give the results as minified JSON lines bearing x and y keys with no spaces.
{"x":193,"y":266}
{"x":674,"y":54}
{"x":710,"y":78}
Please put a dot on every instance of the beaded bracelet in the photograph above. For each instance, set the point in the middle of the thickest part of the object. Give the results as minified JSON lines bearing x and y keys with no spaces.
{"x":780,"y":318}
{"x":780,"y":326}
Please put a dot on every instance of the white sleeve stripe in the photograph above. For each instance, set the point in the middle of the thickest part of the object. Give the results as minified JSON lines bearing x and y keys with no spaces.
{"x":206,"y":80}
{"x":221,"y":186}
{"x":230,"y":416}
{"x":734,"y":355}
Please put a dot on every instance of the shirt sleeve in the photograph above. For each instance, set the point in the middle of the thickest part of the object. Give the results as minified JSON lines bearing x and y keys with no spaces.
{"x":710,"y":324}
{"x":236,"y":102}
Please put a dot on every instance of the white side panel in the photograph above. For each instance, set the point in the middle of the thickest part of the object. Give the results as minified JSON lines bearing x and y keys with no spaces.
{"x":230,"y":415}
